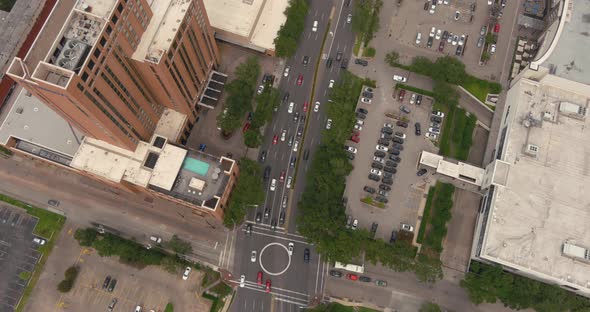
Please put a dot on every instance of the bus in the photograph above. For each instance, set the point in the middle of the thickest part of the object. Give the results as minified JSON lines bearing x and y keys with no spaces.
{"x":350,"y":267}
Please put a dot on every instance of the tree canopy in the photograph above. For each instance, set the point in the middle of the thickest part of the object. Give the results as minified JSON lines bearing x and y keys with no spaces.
{"x":289,"y":33}
{"x":248,"y":191}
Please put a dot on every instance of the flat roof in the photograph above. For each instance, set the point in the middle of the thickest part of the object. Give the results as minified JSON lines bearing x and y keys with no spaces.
{"x":167,"y":167}
{"x":170,"y":124}
{"x":545,"y":201}
{"x":103,"y":159}
{"x":570,"y":58}
{"x":454,"y":169}
{"x":163,"y":26}
{"x":101,"y":8}
{"x":256,"y":20}
{"x":31,"y":120}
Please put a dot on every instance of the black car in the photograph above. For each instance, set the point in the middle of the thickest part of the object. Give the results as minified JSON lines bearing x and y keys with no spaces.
{"x":267,"y":172}
{"x":376,"y":165}
{"x":418,"y":99}
{"x":426,"y":5}
{"x":385,"y":187}
{"x":398,"y":146}
{"x":282,"y":218}
{"x":292,"y":163}
{"x":361,"y":116}
{"x":300,"y":131}
{"x":344,"y":64}
{"x":335,"y":273}
{"x":429,"y":42}
{"x":262,"y":156}
{"x":329,"y":63}
{"x":390,"y":169}
{"x":385,"y":136}
{"x":305,"y":60}
{"x":387,"y":175}
{"x":112,"y":285}
{"x":394,"y":152}
{"x":393,"y":237}
{"x":266,"y":213}
{"x":374,"y":177}
{"x":398,"y":140}
{"x":368,"y":95}
{"x":436,"y":119}
{"x":445,"y":35}
{"x":402,"y":124}
{"x":273,"y":224}
{"x":381,"y":199}
{"x":388,"y":181}
{"x":258,"y":217}
{"x":421,"y":172}
{"x":361,"y":62}
{"x":417,"y":128}
{"x":387,"y":130}
{"x":379,"y":154}
{"x":459,"y":50}
{"x":374,"y":228}
{"x":306,"y":155}
{"x":369,"y":189}
{"x":249,"y":229}
{"x":296,"y":117}
{"x":362,"y":110}
{"x":338,"y":56}
{"x":391,"y":163}
{"x":286,"y":97}
{"x":306,"y":256}
{"x":384,"y":142}
{"x":395,"y":158}
{"x":107,"y":280}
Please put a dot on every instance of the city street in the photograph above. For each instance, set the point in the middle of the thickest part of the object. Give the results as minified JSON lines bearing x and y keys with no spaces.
{"x":301,"y":283}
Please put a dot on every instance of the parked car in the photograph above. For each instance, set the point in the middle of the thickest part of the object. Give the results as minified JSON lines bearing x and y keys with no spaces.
{"x":365,"y":279}
{"x":402,"y":124}
{"x":380,"y":282}
{"x":352,"y":277}
{"x":417,"y":130}
{"x":106,"y":282}
{"x":492,"y":49}
{"x":306,"y":255}
{"x":384,"y":187}
{"x":376,"y":165}
{"x":399,"y":78}
{"x":419,"y":99}
{"x":393,"y":237}
{"x":112,"y":305}
{"x":363,"y":111}
{"x":113,"y":284}
{"x":374,"y":177}
{"x":421,"y":172}
{"x":407,"y":227}
{"x":335,"y":273}
{"x":483,"y":30}
{"x":366,"y":100}
{"x":361,"y":62}
{"x":480,"y":42}
{"x":379,"y":154}
{"x":369,"y":189}
{"x":397,"y":140}
{"x":418,"y":39}
{"x":405,"y":109}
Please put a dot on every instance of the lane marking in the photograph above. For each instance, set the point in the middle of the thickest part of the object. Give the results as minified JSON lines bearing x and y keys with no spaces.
{"x":283,"y":238}
{"x":336,"y":28}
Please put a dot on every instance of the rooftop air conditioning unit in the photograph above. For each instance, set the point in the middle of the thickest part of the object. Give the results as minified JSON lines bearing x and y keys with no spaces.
{"x":532,"y":150}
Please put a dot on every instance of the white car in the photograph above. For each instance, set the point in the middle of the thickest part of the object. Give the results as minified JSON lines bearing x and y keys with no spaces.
{"x":432,"y":9}
{"x":490,"y":2}
{"x":431,"y":136}
{"x":438,"y":34}
{"x":358,"y":127}
{"x":388,"y":125}
{"x":253,"y":256}
{"x":350,"y":149}
{"x":378,"y":159}
{"x":399,"y":78}
{"x":366,"y":100}
{"x":283,"y":135}
{"x":329,"y":124}
{"x":438,"y":114}
{"x":450,"y":38}
{"x":39,"y":241}
{"x":316,"y":107}
{"x":492,"y":49}
{"x":273,"y":185}
{"x":331,"y":84}
{"x":432,"y":32}
{"x":418,"y":38}
{"x":242,"y":281}
{"x":413,"y":98}
{"x":295,"y":146}
{"x":349,"y":19}
{"x":376,"y":171}
{"x":286,"y":73}
{"x":407,"y":227}
{"x":289,"y":181}
{"x":381,"y":148}
{"x":434,"y":130}
{"x":455,"y":40}
{"x":291,"y":108}
{"x":355,"y":223}
{"x":290,"y":248}
{"x":186,"y":273}
{"x":360,"y":122}
{"x":315,"y":26}
{"x":445,"y":2}
{"x":462,"y":40}
{"x":138,"y":308}
{"x":457,"y":15}
{"x":260,"y":89}
{"x":400,"y":135}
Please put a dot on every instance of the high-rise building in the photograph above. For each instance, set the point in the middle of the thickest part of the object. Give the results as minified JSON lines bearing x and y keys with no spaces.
{"x":115,"y":65}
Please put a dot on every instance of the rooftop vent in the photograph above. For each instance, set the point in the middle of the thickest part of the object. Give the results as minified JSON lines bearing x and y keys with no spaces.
{"x":531,"y":150}
{"x":575,"y":252}
{"x":572,"y":110}
{"x":19,"y":110}
{"x":159,"y":142}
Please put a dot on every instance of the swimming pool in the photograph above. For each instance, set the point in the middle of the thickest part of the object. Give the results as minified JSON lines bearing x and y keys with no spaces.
{"x":196,"y":166}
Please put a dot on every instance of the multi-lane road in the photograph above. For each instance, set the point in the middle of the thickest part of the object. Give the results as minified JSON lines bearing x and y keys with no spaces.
{"x":294,"y":283}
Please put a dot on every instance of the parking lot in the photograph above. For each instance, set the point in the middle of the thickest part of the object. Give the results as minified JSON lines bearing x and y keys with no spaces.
{"x":408,"y":189}
{"x":151,"y":287}
{"x":18,"y":254}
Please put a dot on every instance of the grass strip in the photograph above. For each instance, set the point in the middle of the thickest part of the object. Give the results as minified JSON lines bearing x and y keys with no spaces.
{"x":414,"y":89}
{"x":425,"y":215}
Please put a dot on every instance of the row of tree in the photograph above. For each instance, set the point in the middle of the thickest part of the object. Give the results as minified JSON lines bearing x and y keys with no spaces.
{"x":323,"y":216}
{"x":248,"y":192}
{"x":289,"y":33}
{"x":266,"y":103}
{"x":240,"y":92}
{"x":366,"y":19}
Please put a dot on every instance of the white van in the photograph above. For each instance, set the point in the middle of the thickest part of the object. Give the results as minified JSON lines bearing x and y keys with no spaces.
{"x":399,"y":78}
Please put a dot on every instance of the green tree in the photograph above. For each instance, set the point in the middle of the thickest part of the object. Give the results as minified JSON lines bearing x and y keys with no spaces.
{"x":248,"y":192}
{"x":448,"y":69}
{"x":421,"y":65}
{"x":85,"y":237}
{"x":240,"y":93}
{"x":252,"y":138}
{"x":369,"y":52}
{"x":392,"y":58}
{"x":430,"y":307}
{"x":289,"y":33}
{"x":445,"y":94}
{"x":485,"y":56}
{"x":490,"y":38}
{"x":179,"y":246}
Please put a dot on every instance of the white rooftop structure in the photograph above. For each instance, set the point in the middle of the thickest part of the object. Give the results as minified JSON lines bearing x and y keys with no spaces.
{"x":457,"y":170}
{"x":535,"y":218}
{"x":251,"y":23}
{"x":170,"y":125}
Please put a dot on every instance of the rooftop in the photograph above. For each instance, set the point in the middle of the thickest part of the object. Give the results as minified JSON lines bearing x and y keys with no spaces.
{"x":569,"y":59}
{"x":32,"y":121}
{"x":544,"y":202}
{"x":171,"y":124}
{"x":158,"y":36}
{"x":257,"y":20}
{"x":454,"y":169}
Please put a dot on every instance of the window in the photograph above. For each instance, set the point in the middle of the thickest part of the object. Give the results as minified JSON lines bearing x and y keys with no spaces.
{"x":103,"y":41}
{"x":115,"y":19}
{"x":80,"y":87}
{"x":96,"y":53}
{"x":91,"y":64}
{"x":109,"y":29}
{"x":120,"y":8}
{"x":84,"y":76}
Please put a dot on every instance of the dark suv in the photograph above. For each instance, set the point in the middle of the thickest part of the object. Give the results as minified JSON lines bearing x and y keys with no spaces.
{"x":417,"y":128}
{"x":335,"y":273}
{"x":306,"y":256}
{"x":361,"y":62}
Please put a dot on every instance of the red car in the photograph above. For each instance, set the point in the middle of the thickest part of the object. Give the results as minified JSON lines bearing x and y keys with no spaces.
{"x":267,"y":286}
{"x":355,"y":138}
{"x":305,"y":106}
{"x":259,"y":278}
{"x":497,"y":28}
{"x":275,"y":139}
{"x":441,"y":46}
{"x":402,"y":93}
{"x":282,"y":177}
{"x":352,"y":277}
{"x":300,"y":80}
{"x":246,"y":127}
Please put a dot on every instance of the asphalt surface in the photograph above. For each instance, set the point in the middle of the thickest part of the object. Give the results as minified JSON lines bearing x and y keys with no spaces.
{"x":301,"y":283}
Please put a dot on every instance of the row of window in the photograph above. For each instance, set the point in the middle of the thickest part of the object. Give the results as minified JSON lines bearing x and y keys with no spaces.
{"x":108,"y":114}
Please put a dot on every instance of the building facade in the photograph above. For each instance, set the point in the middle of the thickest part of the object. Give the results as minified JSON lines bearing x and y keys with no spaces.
{"x":116,"y":65}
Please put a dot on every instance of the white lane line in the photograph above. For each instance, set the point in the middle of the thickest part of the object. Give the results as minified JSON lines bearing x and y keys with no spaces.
{"x":274,"y":128}
{"x":224,"y":250}
{"x":308,"y":35}
{"x":344,"y":52}
{"x":317,"y":274}
{"x":283,"y":238}
{"x":262,"y":289}
{"x":291,"y":302}
{"x":336,"y":28}
{"x":316,"y":13}
{"x":325,"y":92}
{"x":231,"y":247}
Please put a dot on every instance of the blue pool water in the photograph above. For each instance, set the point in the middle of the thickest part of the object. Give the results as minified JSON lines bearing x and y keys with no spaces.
{"x":196,"y":166}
